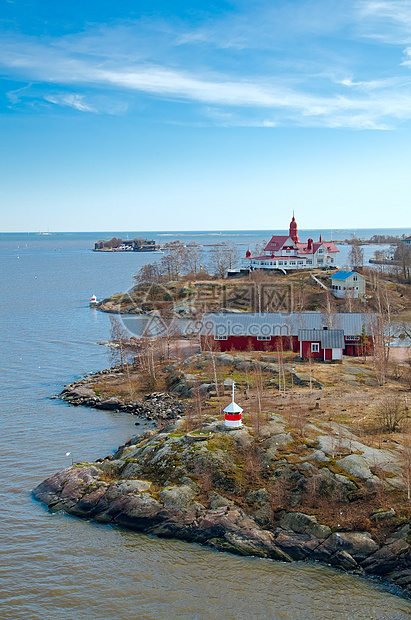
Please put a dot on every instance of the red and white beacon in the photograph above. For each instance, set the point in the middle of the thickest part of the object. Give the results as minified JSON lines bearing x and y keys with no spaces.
{"x":233,"y":414}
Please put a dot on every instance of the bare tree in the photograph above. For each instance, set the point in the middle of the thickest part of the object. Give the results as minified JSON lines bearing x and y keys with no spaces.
{"x":382,"y":329}
{"x":356,"y":255}
{"x":223,"y":256}
{"x":406,"y":460}
{"x":120,"y":338}
{"x":148,"y":274}
{"x":402,"y":256}
{"x":194,"y":254}
{"x":391,"y":413}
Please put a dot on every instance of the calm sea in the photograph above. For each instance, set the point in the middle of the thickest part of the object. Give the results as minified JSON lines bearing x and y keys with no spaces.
{"x":62,"y":568}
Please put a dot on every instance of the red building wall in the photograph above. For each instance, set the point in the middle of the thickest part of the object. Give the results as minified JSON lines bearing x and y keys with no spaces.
{"x":250,"y":343}
{"x":286,"y":343}
{"x":306,"y":351}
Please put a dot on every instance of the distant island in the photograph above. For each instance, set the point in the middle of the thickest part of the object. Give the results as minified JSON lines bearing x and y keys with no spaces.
{"x":116,"y":244}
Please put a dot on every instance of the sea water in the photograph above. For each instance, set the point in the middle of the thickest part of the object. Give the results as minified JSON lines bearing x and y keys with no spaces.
{"x":62,"y":568}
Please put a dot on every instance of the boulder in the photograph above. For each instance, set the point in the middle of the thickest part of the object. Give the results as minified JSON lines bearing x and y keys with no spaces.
{"x":296,"y":546}
{"x":304,"y":524}
{"x":177,"y":497}
{"x":317,"y":455}
{"x":111,"y":404}
{"x":219,"y":501}
{"x":387,"y":558}
{"x":358,"y":544}
{"x":282,"y":440}
{"x":356,"y":466}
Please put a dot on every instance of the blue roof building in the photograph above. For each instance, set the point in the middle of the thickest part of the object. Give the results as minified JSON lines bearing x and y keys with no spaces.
{"x":348,"y":284}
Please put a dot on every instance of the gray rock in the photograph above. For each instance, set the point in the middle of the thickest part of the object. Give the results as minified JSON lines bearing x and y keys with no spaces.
{"x":264,"y":514}
{"x":403,"y":532}
{"x":225,"y":359}
{"x":132,"y":470}
{"x":356,"y":466}
{"x":111,"y":404}
{"x":396,"y":483}
{"x":358,"y":544}
{"x":317,"y":455}
{"x":382,"y":515}
{"x":177,"y":497}
{"x":347,"y":483}
{"x":296,"y":546}
{"x":219,"y":501}
{"x":282,"y":440}
{"x":260,"y":496}
{"x":114,"y":467}
{"x":242,"y":438}
{"x":344,"y":560}
{"x":304,"y":524}
{"x":386,"y":559}
{"x":134,"y":486}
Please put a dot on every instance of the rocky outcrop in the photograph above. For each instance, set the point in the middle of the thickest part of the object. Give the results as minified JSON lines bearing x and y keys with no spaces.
{"x":156,"y":484}
{"x":154,"y":406}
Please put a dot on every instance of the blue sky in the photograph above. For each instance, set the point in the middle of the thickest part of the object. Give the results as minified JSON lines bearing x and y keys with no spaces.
{"x":150,"y":115}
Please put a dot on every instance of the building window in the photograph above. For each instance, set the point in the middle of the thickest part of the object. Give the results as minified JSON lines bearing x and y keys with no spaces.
{"x":309,"y":262}
{"x":315,"y":347}
{"x":355,"y":278}
{"x":263,"y":337}
{"x":280,"y":262}
{"x":292,"y":262}
{"x":220,"y":337}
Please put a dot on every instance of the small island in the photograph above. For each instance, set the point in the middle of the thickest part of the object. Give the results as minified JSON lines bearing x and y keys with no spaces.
{"x":116,"y":244}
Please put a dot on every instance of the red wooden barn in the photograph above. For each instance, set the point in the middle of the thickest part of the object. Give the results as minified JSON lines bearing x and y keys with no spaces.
{"x":346,"y":332}
{"x":325,"y":344}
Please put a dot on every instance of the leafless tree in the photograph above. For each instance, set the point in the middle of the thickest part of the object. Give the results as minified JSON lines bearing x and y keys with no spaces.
{"x":193,"y":256}
{"x":223,"y":256}
{"x":120,"y":338}
{"x":356,"y":255}
{"x":391,"y":412}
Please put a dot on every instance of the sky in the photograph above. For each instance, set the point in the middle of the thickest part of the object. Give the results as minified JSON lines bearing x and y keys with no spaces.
{"x":166,"y":115}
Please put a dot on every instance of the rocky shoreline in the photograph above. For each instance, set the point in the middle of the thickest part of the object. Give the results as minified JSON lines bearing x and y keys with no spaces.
{"x":190,"y":486}
{"x":157,"y":406}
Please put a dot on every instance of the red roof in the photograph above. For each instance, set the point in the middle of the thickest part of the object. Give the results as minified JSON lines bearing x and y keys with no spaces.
{"x":276,"y":243}
{"x":328,"y":245}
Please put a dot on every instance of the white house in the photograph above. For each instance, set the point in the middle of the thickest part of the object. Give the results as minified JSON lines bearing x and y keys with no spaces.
{"x":348,"y":284}
{"x":287,"y":252}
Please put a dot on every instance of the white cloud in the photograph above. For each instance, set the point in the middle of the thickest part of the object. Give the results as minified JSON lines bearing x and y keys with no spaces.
{"x":407,"y":61}
{"x":109,"y":65}
{"x":387,"y":21}
{"x":71,"y":100}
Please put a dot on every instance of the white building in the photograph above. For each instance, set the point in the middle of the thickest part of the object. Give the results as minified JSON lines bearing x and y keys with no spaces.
{"x":348,"y":284}
{"x":286,"y":252}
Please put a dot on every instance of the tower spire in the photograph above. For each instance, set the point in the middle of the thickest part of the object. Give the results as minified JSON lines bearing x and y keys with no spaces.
{"x":293,"y":230}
